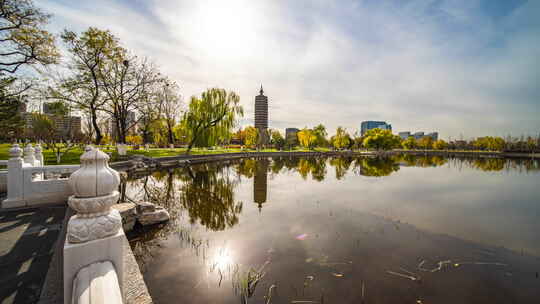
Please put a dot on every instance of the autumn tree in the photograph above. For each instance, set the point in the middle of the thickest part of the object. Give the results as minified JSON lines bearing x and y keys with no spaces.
{"x":211,"y":117}
{"x":251,"y":136}
{"x":380,"y":139}
{"x":425,"y":143}
{"x":440,"y":145}
{"x":307,"y":138}
{"x":342,"y":139}
{"x":409,"y":143}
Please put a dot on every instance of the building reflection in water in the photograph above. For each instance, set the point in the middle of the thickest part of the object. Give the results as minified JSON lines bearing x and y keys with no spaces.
{"x":260,"y":182}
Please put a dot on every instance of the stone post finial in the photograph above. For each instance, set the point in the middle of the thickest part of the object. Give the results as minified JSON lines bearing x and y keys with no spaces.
{"x":29,"y":156}
{"x":15,"y":151}
{"x":95,"y":187}
{"x":39,"y":154}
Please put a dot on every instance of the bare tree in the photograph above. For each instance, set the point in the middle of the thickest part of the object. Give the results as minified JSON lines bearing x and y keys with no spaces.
{"x":128,"y":81}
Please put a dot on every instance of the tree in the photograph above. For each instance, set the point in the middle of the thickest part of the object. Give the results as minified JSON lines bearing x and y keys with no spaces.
{"x":409,"y":143}
{"x":45,"y":129}
{"x":170,"y":106}
{"x":425,"y":142}
{"x":251,"y":136}
{"x":211,"y":117}
{"x":342,"y":139}
{"x":11,"y":122}
{"x":307,"y":138}
{"x":379,"y":139}
{"x":440,"y":145}
{"x":320,"y":133}
{"x":23,"y":38}
{"x":277,"y":139}
{"x":89,"y":54}
{"x":134,"y":139}
{"x":128,"y":82}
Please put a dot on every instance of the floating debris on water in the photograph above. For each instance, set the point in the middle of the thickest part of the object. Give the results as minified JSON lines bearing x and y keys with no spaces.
{"x":406,"y":276}
{"x":298,"y":302}
{"x":339,"y":275}
{"x":447,"y":263}
{"x":301,"y":237}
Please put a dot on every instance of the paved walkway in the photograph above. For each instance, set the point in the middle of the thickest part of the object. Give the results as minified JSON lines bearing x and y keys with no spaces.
{"x":27,"y":239}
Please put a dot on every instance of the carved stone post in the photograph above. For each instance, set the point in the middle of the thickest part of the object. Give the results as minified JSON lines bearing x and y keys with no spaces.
{"x":39,"y":154}
{"x":14,"y":179}
{"x":29,"y":156}
{"x":95,"y":233}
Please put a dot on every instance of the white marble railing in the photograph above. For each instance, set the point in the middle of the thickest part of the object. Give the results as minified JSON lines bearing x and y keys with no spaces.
{"x":29,"y":183}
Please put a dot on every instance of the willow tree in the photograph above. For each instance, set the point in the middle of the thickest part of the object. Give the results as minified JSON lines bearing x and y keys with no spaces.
{"x":342,"y":139}
{"x":307,"y":138}
{"x":211,"y":118}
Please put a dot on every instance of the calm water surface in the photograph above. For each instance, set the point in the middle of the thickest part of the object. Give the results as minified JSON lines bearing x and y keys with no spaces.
{"x":344,"y":230}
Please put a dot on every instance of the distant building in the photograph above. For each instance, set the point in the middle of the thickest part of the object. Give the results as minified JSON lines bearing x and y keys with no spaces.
{"x":404,"y":135}
{"x":261,"y":115}
{"x":418,"y":135}
{"x":433,"y":135}
{"x":370,"y":124}
{"x":131,"y":123}
{"x":291,"y":133}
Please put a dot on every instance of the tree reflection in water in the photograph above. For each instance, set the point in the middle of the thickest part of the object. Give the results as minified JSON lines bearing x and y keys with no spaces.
{"x":208,"y":196}
{"x":205,"y":194}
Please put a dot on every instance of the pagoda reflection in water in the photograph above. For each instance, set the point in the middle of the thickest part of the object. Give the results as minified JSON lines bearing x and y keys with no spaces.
{"x":260,"y":182}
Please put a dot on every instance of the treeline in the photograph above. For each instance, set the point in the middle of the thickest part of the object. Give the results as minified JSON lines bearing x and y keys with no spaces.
{"x":120,"y":96}
{"x":378,"y":139}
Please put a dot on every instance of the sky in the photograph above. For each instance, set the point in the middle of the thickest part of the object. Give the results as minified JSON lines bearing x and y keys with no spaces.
{"x":464,"y":68}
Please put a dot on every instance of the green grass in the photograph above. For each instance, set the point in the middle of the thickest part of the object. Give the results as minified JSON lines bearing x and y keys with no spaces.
{"x":73,"y":155}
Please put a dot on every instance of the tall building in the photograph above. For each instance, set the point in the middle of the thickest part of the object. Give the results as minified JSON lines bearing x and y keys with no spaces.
{"x":370,"y":124}
{"x":261,"y":115}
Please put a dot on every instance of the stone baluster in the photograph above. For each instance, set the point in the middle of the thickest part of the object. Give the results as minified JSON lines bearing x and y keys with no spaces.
{"x":14,"y":179}
{"x":39,"y":154}
{"x":95,"y":233}
{"x":29,"y":155}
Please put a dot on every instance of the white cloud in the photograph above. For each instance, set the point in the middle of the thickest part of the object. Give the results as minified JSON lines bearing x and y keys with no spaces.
{"x":423,"y":65}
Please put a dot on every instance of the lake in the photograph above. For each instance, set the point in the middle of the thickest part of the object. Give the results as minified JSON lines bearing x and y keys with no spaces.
{"x":344,"y":230}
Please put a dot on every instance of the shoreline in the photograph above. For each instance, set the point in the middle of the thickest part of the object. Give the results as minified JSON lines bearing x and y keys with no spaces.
{"x":142,"y":164}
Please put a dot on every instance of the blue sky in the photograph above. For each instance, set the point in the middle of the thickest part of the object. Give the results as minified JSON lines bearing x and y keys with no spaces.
{"x":463,"y":68}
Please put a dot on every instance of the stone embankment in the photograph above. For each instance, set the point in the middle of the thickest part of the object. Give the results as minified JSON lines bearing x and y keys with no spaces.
{"x":141,"y":165}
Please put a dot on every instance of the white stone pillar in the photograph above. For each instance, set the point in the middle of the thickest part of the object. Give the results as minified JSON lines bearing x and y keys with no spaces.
{"x":29,"y":156}
{"x":14,"y":179}
{"x":95,"y":233}
{"x":39,"y":154}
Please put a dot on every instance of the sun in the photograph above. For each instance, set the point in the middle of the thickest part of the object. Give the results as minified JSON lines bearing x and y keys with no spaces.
{"x":224,"y":29}
{"x":222,"y":260}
